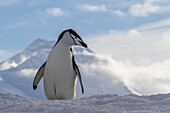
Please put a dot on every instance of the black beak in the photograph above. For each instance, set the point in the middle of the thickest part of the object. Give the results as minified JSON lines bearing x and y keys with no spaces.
{"x":83,"y":44}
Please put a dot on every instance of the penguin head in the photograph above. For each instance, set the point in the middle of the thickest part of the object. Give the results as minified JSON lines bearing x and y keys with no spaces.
{"x":70,"y":37}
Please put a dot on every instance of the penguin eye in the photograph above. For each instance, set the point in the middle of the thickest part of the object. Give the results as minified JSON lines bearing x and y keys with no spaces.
{"x":73,"y":36}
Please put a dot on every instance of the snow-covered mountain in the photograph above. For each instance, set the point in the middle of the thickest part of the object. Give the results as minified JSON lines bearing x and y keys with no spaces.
{"x":17,"y":73}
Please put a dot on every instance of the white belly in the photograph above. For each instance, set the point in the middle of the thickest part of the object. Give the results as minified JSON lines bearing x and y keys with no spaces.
{"x":59,"y":76}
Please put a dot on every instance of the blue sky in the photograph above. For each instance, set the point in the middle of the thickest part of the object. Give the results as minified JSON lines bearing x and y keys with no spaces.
{"x":23,"y":21}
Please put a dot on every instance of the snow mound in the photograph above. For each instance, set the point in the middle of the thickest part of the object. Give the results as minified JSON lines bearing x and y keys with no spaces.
{"x":94,"y":104}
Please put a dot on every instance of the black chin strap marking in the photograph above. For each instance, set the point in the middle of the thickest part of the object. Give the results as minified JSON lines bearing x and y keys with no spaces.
{"x":73,"y":40}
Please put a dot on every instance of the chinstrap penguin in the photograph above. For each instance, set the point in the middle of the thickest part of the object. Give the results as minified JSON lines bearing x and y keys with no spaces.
{"x":60,"y":69}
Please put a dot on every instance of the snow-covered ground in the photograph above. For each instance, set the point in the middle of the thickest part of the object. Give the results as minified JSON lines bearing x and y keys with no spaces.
{"x":93,"y":104}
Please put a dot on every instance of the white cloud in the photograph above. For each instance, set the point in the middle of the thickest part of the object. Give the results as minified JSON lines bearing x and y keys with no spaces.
{"x":144,"y":9}
{"x":134,"y":33}
{"x":28,"y":72}
{"x":162,"y":24}
{"x":138,"y":43}
{"x":8,"y":2}
{"x":97,"y":79}
{"x":92,"y":8}
{"x":142,"y":79}
{"x":139,"y":57}
{"x":55,"y":11}
{"x":119,"y":13}
{"x":149,"y":7}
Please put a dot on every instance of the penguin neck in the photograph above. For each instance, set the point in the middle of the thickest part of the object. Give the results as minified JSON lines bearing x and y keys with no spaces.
{"x":63,"y":46}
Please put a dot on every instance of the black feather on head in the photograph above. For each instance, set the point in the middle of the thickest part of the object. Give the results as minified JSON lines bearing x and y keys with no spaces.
{"x":70,"y":31}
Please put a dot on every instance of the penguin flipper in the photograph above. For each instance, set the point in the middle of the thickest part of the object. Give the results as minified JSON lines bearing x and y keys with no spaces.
{"x":76,"y":69}
{"x":79,"y":76}
{"x":39,"y":76}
